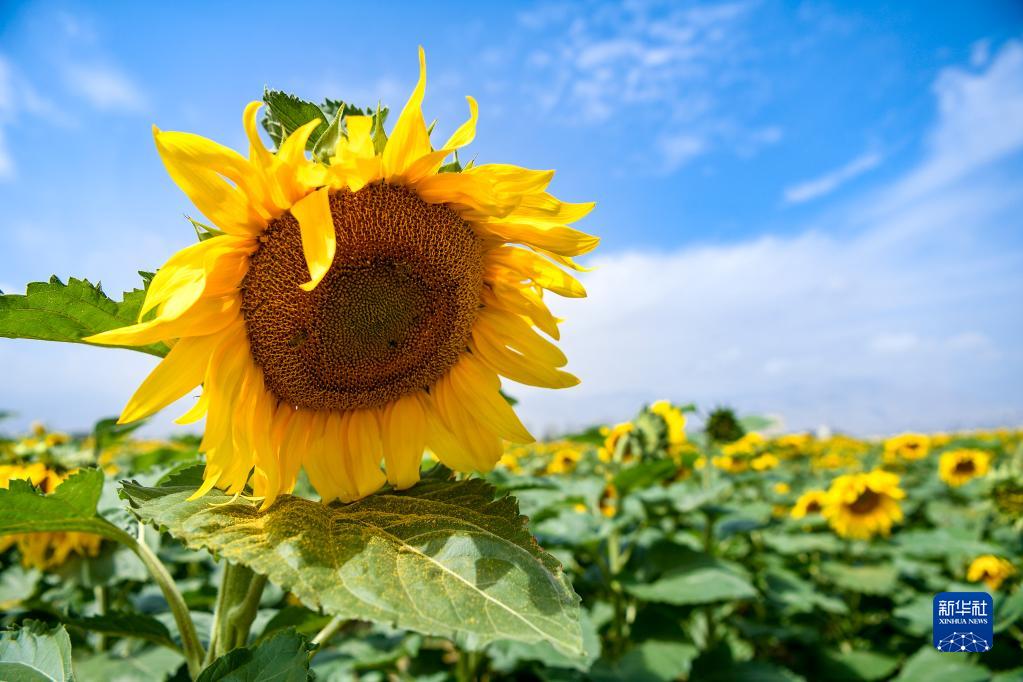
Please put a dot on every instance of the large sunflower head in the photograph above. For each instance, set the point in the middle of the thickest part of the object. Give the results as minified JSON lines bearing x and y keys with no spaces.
{"x":864,"y":505}
{"x":358,"y":309}
{"x":957,"y":467}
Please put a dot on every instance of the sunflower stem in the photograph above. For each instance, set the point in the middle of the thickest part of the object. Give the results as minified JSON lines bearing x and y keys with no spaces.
{"x":328,"y":631}
{"x":237,"y":604}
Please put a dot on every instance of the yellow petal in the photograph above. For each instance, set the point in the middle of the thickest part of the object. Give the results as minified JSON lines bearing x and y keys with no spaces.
{"x":318,"y":237}
{"x":404,"y":436}
{"x":197,"y":411}
{"x":199,"y":167}
{"x":429,"y":164}
{"x":409,"y":139}
{"x":177,"y":374}
{"x":476,"y":385}
{"x":559,"y":239}
{"x":207,"y":316}
{"x":517,"y":367}
{"x":540,"y":270}
{"x":364,"y":453}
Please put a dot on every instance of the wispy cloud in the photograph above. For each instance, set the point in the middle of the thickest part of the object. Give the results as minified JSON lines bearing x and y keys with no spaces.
{"x":104,"y":86}
{"x":887,"y":325}
{"x":665,"y":64}
{"x":829,"y":182}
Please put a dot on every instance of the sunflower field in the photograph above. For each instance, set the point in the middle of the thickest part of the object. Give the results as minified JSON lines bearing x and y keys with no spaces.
{"x":713,"y":554}
{"x":361,"y":500}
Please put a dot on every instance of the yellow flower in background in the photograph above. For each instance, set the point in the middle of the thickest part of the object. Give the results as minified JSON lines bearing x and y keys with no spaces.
{"x":782,"y":488}
{"x":733,"y":465}
{"x":675,"y":420}
{"x":745,"y":446}
{"x":611,"y":439}
{"x":792,"y":445}
{"x":957,"y":467}
{"x":360,"y":310}
{"x":44,"y":550}
{"x":564,"y":461}
{"x":991,"y":569}
{"x":609,"y":500}
{"x":810,"y":502}
{"x":908,"y":446}
{"x":764,"y":462}
{"x":863,"y":505}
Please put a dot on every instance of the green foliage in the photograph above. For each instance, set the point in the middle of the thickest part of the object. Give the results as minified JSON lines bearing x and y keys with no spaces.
{"x":285,"y":113}
{"x":35,"y":653}
{"x":723,"y":426}
{"x":444,"y":558}
{"x":54,"y":311}
{"x":72,"y":506}
{"x":125,"y":624}
{"x":281,"y":658}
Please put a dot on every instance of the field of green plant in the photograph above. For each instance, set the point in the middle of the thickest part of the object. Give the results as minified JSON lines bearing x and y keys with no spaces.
{"x":710,"y":552}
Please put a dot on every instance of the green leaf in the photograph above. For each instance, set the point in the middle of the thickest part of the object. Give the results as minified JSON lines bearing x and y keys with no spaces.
{"x":649,"y":661}
{"x":379,"y":135}
{"x":72,"y":506}
{"x":928,"y":665}
{"x":443,"y":558}
{"x":35,"y":653}
{"x":644,"y":475}
{"x":16,"y":585}
{"x":857,"y":665}
{"x":1008,"y":609}
{"x":878,"y":579}
{"x":282,"y":658}
{"x":803,"y":543}
{"x":54,"y":311}
{"x":149,"y":665}
{"x":125,"y":624}
{"x":701,"y":582}
{"x":286,"y":113}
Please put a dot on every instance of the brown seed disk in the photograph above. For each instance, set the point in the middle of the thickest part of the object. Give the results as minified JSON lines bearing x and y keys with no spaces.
{"x":391,"y":316}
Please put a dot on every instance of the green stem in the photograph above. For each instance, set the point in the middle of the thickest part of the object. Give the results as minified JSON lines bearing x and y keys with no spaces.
{"x":708,"y":611}
{"x":328,"y":631}
{"x":102,"y":604}
{"x":189,"y":638}
{"x":237,"y":605}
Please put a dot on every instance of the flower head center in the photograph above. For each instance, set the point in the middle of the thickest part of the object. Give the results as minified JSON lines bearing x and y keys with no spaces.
{"x":867,"y":502}
{"x":391,"y":316}
{"x":965,"y":466}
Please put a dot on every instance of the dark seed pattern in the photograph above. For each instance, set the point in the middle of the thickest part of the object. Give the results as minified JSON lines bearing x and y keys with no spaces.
{"x":391,"y":316}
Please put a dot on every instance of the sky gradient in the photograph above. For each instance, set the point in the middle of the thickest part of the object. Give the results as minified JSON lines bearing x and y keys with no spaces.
{"x":807,"y":210}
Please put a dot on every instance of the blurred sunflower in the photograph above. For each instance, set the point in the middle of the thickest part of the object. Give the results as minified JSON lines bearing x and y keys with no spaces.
{"x":863,"y":505}
{"x":51,"y":549}
{"x":733,"y":465}
{"x":358,"y":310}
{"x":764,"y":462}
{"x":957,"y":467}
{"x":810,"y":502}
{"x":675,"y":421}
{"x":564,"y":460}
{"x":907,"y":446}
{"x":991,"y":569}
{"x":612,"y":438}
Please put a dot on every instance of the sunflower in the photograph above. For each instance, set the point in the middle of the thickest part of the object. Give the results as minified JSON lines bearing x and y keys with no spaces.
{"x":612,"y":437}
{"x":564,"y":460}
{"x":49,"y":549}
{"x":764,"y":462}
{"x":908,"y":446}
{"x":957,"y":467}
{"x":991,"y":569}
{"x":863,"y":505}
{"x":674,"y":421}
{"x":810,"y":502}
{"x":356,"y":310}
{"x":733,"y":465}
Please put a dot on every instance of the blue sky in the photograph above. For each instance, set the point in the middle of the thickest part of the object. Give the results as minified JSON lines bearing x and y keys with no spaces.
{"x":808,"y":209}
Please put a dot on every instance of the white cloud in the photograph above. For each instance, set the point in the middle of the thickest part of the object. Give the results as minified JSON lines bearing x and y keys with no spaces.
{"x":829,"y":182}
{"x":904,"y":315}
{"x":593,"y":63}
{"x":104,"y":87}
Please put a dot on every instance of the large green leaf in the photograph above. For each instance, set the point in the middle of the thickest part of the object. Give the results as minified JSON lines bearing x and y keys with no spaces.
{"x":35,"y":653}
{"x":54,"y":311}
{"x":650,"y":661}
{"x":282,"y":658}
{"x":149,"y":665}
{"x":864,"y":666}
{"x":71,"y":507}
{"x":869,"y":579}
{"x":443,"y":558}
